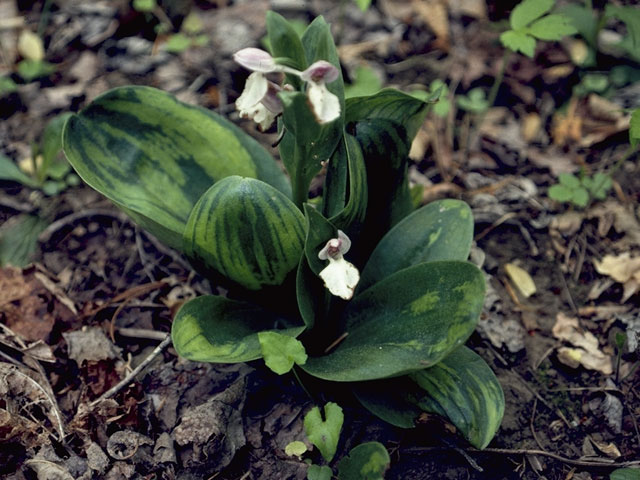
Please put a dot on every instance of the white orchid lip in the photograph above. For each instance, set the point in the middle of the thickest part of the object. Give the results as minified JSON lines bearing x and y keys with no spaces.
{"x":340,"y":277}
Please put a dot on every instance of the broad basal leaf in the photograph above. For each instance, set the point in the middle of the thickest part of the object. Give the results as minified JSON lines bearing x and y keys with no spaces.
{"x":391,"y":105}
{"x":216,"y":329}
{"x":285,"y":42}
{"x":155,"y":156}
{"x":246,"y":230}
{"x":408,"y":321}
{"x":10,"y":171}
{"x":19,"y":239}
{"x":461,"y":388}
{"x":442,"y":230}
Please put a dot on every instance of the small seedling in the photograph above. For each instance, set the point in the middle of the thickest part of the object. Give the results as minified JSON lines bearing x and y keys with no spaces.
{"x":530,"y":21}
{"x":474,"y":102}
{"x":580,"y":190}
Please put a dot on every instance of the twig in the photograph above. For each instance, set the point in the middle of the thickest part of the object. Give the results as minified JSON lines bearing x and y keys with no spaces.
{"x":533,"y":417}
{"x":129,"y":378}
{"x":48,"y":232}
{"x":141,"y":333}
{"x":569,"y":296}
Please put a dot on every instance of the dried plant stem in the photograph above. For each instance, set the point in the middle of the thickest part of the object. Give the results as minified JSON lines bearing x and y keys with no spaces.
{"x":129,"y":378}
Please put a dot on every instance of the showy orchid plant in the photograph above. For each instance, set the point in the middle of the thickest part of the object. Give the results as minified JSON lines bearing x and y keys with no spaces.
{"x":355,"y":286}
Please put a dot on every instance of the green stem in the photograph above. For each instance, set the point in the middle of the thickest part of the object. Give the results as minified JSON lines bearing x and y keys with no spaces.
{"x":493,"y":93}
{"x":625,"y":156}
{"x":295,"y":374}
{"x":300,"y":186}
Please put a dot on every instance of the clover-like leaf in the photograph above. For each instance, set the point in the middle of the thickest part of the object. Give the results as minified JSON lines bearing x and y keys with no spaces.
{"x":280,"y":351}
{"x":552,"y":27}
{"x":519,"y":42}
{"x":324,"y":433}
{"x":527,"y":11}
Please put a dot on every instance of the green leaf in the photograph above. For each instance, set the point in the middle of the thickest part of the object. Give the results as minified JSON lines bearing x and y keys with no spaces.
{"x":441,"y":230}
{"x":527,"y":11}
{"x":408,"y":321}
{"x":366,"y":82}
{"x":625,"y":474}
{"x":350,"y":218}
{"x":155,"y":156}
{"x":247,"y":231}
{"x":7,"y":85}
{"x":280,"y":352}
{"x":552,"y":27}
{"x":52,"y":144}
{"x":31,"y":70}
{"x":317,"y":472}
{"x":363,"y":4}
{"x":324,"y":434}
{"x":19,"y":239}
{"x":461,"y":388}
{"x":284,"y":42}
{"x":634,"y":128}
{"x":580,"y":197}
{"x":569,"y":180}
{"x":10,"y":171}
{"x":599,"y":186}
{"x":584,"y":20}
{"x":475,"y":101}
{"x":367,"y":461}
{"x":391,"y":105}
{"x":295,"y":448}
{"x":519,"y":42}
{"x":216,"y":329}
{"x":560,"y":193}
{"x":385,"y":148}
{"x":177,"y":43}
{"x":630,"y":15}
{"x":144,"y":5}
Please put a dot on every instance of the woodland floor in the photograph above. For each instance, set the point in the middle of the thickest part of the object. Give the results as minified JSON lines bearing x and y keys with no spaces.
{"x":101,"y":293}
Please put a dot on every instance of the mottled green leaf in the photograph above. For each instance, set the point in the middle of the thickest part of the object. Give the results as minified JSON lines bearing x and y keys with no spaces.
{"x":19,"y":239}
{"x":216,"y":329}
{"x":461,"y":388}
{"x":280,"y":352}
{"x":155,"y":156}
{"x":391,"y":105}
{"x":247,"y":231}
{"x":324,"y":433}
{"x":441,"y":230}
{"x":408,"y":321}
{"x":527,"y":11}
{"x":350,"y":217}
{"x":367,"y":461}
{"x":552,"y":27}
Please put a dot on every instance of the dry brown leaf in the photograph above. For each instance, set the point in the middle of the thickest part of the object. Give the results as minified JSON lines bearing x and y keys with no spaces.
{"x":586,"y":351}
{"x":567,"y":127}
{"x":90,"y":344}
{"x":623,"y":269}
{"x":622,"y":218}
{"x":473,"y":8}
{"x":30,"y":46}
{"x":531,"y":124}
{"x":434,"y":14}
{"x":521,"y":279}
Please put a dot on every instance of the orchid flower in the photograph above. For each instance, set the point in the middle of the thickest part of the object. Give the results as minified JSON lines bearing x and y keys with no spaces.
{"x":340,"y":277}
{"x":259,"y":100}
{"x":324,"y":104}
